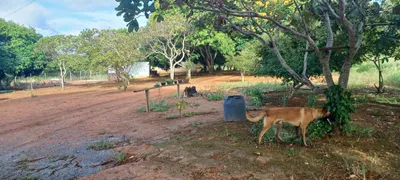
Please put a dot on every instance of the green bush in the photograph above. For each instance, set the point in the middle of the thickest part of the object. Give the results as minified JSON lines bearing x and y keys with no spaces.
{"x":216,"y":96}
{"x":340,"y":103}
{"x":120,"y":157}
{"x":158,"y":106}
{"x":169,"y":81}
{"x":257,"y":97}
{"x":318,"y":129}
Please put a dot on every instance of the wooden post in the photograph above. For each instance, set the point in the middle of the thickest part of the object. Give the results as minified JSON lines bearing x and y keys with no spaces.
{"x":178,"y":85}
{"x":147,"y":91}
{"x":70,"y":76}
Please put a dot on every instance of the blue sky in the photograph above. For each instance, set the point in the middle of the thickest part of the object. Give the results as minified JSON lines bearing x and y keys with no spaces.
{"x":50,"y":17}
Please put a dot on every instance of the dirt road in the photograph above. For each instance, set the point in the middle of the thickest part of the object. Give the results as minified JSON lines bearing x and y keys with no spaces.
{"x":48,"y":135}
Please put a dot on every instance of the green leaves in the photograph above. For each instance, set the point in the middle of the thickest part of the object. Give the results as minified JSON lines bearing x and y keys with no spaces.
{"x":340,"y":103}
{"x":131,"y":9}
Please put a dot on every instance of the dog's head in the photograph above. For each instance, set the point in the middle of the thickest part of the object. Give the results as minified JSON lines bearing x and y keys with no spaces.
{"x":324,"y":112}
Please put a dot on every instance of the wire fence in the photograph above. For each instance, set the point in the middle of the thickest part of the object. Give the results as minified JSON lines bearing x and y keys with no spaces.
{"x":47,"y":79}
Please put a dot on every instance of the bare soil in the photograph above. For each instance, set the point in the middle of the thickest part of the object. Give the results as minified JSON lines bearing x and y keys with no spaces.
{"x":47,"y":136}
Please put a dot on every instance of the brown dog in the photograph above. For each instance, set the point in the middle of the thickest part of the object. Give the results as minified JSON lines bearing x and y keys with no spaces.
{"x":297,"y":116}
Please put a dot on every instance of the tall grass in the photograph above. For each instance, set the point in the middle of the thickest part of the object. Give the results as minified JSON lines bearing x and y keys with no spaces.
{"x":366,"y":74}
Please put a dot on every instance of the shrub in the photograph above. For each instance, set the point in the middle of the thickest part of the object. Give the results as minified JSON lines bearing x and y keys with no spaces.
{"x":340,"y":103}
{"x":169,"y":81}
{"x":216,"y":96}
{"x":319,"y":129}
{"x":120,"y":157}
{"x":158,"y":106}
{"x":257,"y":97}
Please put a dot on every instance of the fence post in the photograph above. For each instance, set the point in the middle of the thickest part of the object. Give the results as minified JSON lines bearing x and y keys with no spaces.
{"x":45,"y":77}
{"x":147,"y":100}
{"x":70,"y":76}
{"x":80,"y":75}
{"x":30,"y":78}
{"x":177,"y":85}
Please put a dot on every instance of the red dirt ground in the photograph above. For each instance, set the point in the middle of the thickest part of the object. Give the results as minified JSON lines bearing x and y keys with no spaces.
{"x":85,"y":110}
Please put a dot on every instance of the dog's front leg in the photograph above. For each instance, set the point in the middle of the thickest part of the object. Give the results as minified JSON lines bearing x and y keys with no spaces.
{"x":278,"y":130}
{"x":303,"y":132}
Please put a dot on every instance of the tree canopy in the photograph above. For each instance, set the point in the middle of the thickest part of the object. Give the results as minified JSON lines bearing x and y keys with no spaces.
{"x":16,"y":50}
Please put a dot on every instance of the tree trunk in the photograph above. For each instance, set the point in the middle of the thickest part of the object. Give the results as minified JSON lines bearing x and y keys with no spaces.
{"x":242,"y":73}
{"x":209,"y":59}
{"x":172,"y":70}
{"x":327,"y":71}
{"x":377,"y":62}
{"x":189,"y":73}
{"x":62,"y":74}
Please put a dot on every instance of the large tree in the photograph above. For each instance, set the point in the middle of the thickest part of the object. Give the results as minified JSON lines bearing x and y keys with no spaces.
{"x":59,"y":50}
{"x":16,"y":50}
{"x":119,"y":50}
{"x":245,"y":61}
{"x":255,"y":18}
{"x":169,"y":39}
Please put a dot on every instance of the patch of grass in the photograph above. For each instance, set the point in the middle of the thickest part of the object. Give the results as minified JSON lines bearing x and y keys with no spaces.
{"x":364,"y":131}
{"x":195,"y":123}
{"x":293,"y":152}
{"x":287,"y":132}
{"x":173,"y":116}
{"x":102,"y":132}
{"x":28,"y":178}
{"x":22,"y":164}
{"x":102,"y":145}
{"x":158,"y":106}
{"x":225,"y":133}
{"x":215,"y":96}
{"x":393,"y":79}
{"x":234,"y":138}
{"x":249,"y":85}
{"x":180,"y":138}
{"x":196,"y":104}
{"x":120,"y":157}
{"x":141,"y":110}
{"x":189,"y":114}
{"x":172,"y":96}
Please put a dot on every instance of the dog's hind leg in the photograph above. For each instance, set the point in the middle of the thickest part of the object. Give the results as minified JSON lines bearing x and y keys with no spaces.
{"x":278,"y":130}
{"x":267,"y":126}
{"x":303,"y":132}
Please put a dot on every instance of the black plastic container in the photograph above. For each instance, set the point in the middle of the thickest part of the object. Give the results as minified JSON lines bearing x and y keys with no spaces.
{"x":234,"y":108}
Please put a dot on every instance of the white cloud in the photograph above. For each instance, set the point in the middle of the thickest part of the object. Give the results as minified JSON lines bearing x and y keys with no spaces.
{"x":84,"y":5}
{"x":50,"y":19}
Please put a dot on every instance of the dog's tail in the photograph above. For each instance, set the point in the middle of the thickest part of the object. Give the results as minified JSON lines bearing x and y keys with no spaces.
{"x":257,"y":118}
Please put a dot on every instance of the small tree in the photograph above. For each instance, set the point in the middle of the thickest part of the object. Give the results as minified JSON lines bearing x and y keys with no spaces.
{"x":120,"y":50}
{"x":59,"y":49}
{"x":245,"y":60}
{"x":383,"y":38}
